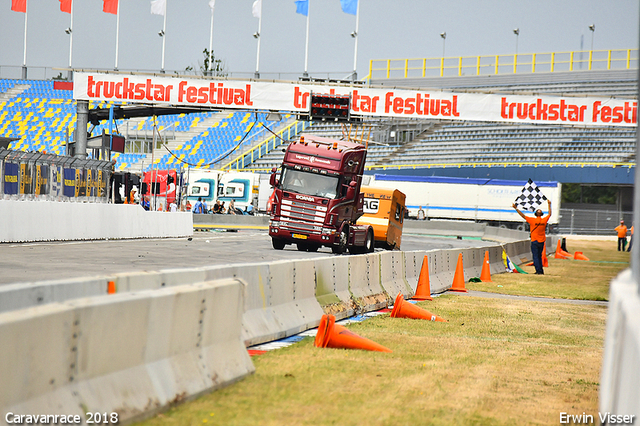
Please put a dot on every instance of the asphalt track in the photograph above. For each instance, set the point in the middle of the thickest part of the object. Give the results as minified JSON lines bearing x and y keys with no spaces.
{"x":29,"y":262}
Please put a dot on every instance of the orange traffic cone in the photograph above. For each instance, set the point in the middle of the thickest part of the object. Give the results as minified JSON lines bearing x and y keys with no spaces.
{"x":545,"y":260}
{"x":403,"y":309}
{"x":111,"y":287}
{"x":579,"y":256}
{"x":332,"y":335}
{"x":423,"y":291}
{"x":559,"y":254}
{"x":485,"y":275}
{"x":458,"y":278}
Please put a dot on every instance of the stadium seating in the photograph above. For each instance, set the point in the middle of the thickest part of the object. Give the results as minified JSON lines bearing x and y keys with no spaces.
{"x":483,"y":142}
{"x":39,"y":117}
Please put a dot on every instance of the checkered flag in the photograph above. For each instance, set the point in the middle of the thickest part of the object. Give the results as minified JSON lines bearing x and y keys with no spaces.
{"x":531,"y":197}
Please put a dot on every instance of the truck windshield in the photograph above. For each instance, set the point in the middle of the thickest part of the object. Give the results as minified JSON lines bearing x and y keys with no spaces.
{"x":309,"y":183}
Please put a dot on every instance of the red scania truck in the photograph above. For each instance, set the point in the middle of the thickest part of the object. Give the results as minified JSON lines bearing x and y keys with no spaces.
{"x":317,"y":198}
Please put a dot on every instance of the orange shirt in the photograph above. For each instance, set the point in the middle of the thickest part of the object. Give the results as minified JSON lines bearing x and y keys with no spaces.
{"x":621,"y":230}
{"x":538,"y":227}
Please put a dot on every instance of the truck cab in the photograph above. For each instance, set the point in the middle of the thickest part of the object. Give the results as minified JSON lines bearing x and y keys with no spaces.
{"x":317,"y":200}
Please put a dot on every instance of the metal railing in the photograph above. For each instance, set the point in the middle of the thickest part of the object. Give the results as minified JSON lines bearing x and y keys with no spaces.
{"x":40,"y":176}
{"x":592,"y":222}
{"x":266,"y":146}
{"x":499,"y":164}
{"x":582,"y":60}
{"x":47,"y":73}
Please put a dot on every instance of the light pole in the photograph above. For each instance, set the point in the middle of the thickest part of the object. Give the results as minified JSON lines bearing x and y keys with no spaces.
{"x":592,"y":28}
{"x":515,"y":57}
{"x":354,"y":34}
{"x":444,"y":39}
{"x":161,"y":34}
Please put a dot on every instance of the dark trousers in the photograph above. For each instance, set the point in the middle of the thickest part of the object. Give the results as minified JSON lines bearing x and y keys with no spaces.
{"x":536,"y":251}
{"x":622,"y":242}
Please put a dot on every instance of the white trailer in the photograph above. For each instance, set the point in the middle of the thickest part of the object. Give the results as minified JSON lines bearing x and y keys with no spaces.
{"x":213,"y":185}
{"x":480,"y":200}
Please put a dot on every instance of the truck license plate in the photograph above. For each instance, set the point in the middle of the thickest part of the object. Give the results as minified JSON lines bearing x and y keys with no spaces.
{"x":299,"y":236}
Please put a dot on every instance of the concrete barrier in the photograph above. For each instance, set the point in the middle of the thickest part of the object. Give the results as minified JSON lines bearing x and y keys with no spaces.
{"x":445,"y":228}
{"x":332,"y":290}
{"x":24,"y":221}
{"x":412,"y":267}
{"x":365,"y":283}
{"x":225,"y":221}
{"x":619,"y":391}
{"x":130,"y":354}
{"x":393,"y":275}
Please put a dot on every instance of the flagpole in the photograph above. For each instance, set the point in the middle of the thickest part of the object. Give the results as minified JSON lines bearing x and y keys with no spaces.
{"x":117,"y":35}
{"x":306,"y":47}
{"x":164,"y":35}
{"x":69,"y":74}
{"x":355,"y":53}
{"x":211,"y":44}
{"x":257,"y":73}
{"x":24,"y":61}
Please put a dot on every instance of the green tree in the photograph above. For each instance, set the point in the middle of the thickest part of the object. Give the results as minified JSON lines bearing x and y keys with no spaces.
{"x":212,"y":66}
{"x":577,"y":193}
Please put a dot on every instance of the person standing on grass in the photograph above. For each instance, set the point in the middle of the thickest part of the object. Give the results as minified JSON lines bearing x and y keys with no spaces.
{"x":622,"y":235}
{"x":538,"y":227}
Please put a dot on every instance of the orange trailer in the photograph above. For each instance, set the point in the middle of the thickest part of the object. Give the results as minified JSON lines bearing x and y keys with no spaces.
{"x":384,"y":209}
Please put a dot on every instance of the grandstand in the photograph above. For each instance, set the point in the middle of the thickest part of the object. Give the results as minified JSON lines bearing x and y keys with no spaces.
{"x":426,"y":143}
{"x":39,"y":115}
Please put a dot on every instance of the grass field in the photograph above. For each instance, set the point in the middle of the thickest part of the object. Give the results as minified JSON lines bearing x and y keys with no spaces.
{"x":496,"y":362}
{"x":588,"y":283}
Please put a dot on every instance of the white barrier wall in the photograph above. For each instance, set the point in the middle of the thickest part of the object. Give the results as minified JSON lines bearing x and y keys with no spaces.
{"x":620,"y":377}
{"x":24,"y":221}
{"x":130,"y":354}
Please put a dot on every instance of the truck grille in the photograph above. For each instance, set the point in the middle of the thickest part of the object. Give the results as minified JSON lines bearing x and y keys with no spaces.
{"x":298,"y":216}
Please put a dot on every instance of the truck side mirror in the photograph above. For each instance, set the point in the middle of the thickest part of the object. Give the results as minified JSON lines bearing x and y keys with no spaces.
{"x":272,"y":179}
{"x":351,"y":190}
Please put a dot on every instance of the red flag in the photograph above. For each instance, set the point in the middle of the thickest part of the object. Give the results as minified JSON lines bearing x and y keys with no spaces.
{"x":110,"y":6}
{"x":19,"y":6}
{"x":65,"y":6}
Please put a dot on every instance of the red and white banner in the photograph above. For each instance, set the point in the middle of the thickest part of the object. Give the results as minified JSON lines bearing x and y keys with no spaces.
{"x":294,"y":97}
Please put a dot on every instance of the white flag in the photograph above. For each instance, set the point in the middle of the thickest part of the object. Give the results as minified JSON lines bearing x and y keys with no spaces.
{"x":158,"y":7}
{"x":212,"y":4}
{"x":256,"y":9}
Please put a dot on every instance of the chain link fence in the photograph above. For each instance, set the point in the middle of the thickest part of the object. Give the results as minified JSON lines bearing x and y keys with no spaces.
{"x":592,"y":222}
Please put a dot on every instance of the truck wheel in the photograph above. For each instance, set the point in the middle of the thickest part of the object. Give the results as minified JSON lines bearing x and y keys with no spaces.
{"x":342,"y":244}
{"x":369,"y":244}
{"x":277,"y":243}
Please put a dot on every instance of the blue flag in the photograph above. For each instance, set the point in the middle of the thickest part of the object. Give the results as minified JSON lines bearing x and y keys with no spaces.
{"x":349,"y":6}
{"x":302,"y":7}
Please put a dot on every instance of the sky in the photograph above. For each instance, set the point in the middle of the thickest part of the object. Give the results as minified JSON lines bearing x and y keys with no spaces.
{"x":388,"y":29}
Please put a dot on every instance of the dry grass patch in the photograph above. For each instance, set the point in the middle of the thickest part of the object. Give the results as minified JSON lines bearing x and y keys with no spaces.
{"x":567,"y":279}
{"x":496,"y":362}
